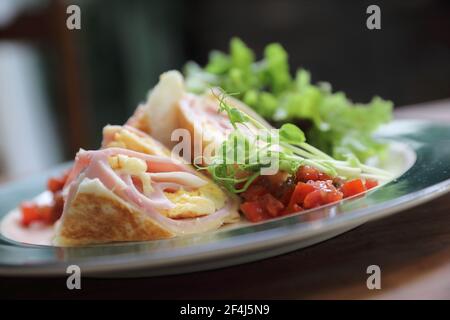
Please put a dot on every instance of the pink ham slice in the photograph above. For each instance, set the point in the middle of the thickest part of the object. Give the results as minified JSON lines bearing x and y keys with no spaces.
{"x":94,"y":165}
{"x":154,"y":163}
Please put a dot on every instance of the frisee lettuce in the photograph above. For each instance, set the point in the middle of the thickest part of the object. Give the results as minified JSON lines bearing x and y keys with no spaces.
{"x":339,"y":126}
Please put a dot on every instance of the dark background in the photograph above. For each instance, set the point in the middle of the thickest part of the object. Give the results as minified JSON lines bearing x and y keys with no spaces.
{"x":406,"y":61}
{"x":109,"y":65}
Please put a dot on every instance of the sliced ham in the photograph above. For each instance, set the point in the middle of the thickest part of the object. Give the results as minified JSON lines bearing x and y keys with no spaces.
{"x":154,"y":163}
{"x":173,"y":175}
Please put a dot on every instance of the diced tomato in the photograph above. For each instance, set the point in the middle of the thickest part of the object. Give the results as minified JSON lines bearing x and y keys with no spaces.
{"x":312,"y":200}
{"x":276,"y":180}
{"x":30,"y":213}
{"x":254,"y":192}
{"x":331,"y":196}
{"x":299,"y":194}
{"x":325,"y":192}
{"x":338,"y":182}
{"x":282,"y":194}
{"x":370,"y":183}
{"x":326,"y":185}
{"x":253,"y":211}
{"x":323,"y":176}
{"x":321,"y":197}
{"x":292,"y":209}
{"x":56,"y":184}
{"x":353,"y":187}
{"x":286,"y":194}
{"x":48,"y":214}
{"x":307,"y":173}
{"x":284,"y":191}
{"x":271,"y":205}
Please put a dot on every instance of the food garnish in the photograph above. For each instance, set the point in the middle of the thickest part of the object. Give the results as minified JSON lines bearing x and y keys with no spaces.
{"x":306,"y":176}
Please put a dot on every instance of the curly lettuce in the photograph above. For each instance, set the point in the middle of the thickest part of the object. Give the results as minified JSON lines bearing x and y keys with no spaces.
{"x":338,"y":126}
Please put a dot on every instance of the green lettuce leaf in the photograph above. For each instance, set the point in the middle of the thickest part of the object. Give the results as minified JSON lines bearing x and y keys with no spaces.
{"x":339,"y":126}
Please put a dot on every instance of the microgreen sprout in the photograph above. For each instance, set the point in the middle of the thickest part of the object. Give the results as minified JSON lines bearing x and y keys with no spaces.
{"x":258,"y":148}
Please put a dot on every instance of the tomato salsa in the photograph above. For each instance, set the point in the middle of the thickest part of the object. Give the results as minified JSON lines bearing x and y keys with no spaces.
{"x":48,"y":213}
{"x":282,"y":194}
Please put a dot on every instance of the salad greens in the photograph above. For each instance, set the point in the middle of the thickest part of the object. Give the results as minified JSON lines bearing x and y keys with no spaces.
{"x":339,"y":126}
{"x":287,"y":146}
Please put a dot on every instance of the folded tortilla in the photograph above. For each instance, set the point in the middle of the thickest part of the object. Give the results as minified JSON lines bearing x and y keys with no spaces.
{"x":169,"y":107}
{"x":132,"y":190}
{"x":97,"y":215}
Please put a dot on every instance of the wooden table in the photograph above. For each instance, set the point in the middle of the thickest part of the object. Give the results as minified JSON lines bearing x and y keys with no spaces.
{"x":412,"y":249}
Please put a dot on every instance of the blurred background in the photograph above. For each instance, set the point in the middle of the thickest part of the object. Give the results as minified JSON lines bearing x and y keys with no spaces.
{"x":59,"y":87}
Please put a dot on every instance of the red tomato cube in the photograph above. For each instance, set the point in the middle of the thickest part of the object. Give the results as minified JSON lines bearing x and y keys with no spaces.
{"x":30,"y":213}
{"x":353,"y":187}
{"x":371,"y":183}
{"x":253,"y":211}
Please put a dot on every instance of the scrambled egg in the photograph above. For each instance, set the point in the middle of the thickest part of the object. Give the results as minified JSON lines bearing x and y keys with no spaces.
{"x":126,"y":139}
{"x":189,"y":204}
{"x":130,"y":165}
